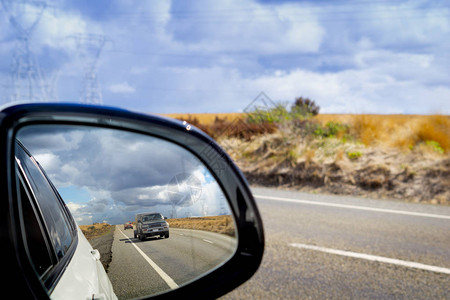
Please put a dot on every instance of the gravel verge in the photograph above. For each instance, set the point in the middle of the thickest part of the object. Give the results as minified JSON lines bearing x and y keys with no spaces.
{"x":104,"y":244}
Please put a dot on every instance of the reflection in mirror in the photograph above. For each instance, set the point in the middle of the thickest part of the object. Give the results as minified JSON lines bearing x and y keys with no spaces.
{"x":156,"y":214}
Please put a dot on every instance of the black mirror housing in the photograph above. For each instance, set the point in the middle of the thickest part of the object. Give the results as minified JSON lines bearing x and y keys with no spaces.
{"x":242,"y":265}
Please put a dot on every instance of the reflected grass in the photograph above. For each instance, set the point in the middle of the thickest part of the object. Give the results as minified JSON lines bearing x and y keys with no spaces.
{"x":218,"y":224}
{"x":95,"y":230}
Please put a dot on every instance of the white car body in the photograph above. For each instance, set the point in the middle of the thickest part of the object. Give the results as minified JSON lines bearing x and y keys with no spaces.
{"x":75,"y":269}
{"x":85,"y":277}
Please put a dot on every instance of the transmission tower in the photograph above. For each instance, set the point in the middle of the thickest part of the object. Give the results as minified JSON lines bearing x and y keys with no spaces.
{"x":27,"y":82}
{"x":204,"y":208}
{"x":89,"y":47}
{"x":222,"y":205}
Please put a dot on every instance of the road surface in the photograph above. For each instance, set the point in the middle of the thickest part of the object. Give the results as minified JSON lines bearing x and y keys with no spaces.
{"x":158,"y":264}
{"x":336,"y":247}
{"x":317,"y":247}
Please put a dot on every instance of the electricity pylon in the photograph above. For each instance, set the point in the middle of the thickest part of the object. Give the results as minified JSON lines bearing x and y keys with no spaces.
{"x":89,"y":47}
{"x":27,"y":82}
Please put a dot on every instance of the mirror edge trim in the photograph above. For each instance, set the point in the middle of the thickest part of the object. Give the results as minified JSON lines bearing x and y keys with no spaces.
{"x":248,"y":256}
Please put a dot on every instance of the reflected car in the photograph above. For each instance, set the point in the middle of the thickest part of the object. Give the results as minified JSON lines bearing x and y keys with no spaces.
{"x":151,"y":224}
{"x":62,"y":257}
{"x":127,"y":225}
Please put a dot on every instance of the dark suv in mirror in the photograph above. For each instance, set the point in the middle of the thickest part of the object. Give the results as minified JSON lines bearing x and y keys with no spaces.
{"x":151,"y":224}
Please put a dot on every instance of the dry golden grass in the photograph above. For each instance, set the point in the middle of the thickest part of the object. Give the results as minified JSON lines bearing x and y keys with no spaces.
{"x":398,"y":131}
{"x":207,"y":118}
{"x":95,"y":230}
{"x":219,"y":224}
{"x":227,"y":125}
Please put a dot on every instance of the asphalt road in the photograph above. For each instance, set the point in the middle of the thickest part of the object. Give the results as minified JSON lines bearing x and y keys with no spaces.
{"x":317,"y":247}
{"x":159,"y":264}
{"x":336,"y":247}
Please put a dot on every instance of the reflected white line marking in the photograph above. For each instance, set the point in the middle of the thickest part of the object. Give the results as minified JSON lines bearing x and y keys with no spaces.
{"x":208,"y":241}
{"x":384,"y":210}
{"x":170,"y":282}
{"x":381,"y":259}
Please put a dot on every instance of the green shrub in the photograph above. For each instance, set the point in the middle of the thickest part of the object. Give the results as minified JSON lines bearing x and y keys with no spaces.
{"x":331,"y":129}
{"x":275,"y":115}
{"x":302,"y":109}
{"x":354,"y":155}
{"x":435,"y":146}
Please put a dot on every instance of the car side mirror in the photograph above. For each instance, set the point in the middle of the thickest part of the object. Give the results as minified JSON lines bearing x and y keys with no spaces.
{"x":96,"y":159}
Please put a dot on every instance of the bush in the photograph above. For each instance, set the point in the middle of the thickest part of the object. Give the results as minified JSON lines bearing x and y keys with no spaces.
{"x":306,"y":127}
{"x":239,"y":128}
{"x":275,"y":115}
{"x":401,"y":131}
{"x":354,"y":155}
{"x":305,"y":107}
{"x":331,"y":129}
{"x":435,"y":129}
{"x":435,"y":146}
{"x":264,"y":121}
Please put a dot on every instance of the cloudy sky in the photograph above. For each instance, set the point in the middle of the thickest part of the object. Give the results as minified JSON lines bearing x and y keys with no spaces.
{"x":109,"y":175}
{"x":367,"y":56}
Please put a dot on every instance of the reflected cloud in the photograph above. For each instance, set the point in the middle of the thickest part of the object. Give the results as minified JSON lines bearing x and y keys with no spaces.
{"x":111,"y":175}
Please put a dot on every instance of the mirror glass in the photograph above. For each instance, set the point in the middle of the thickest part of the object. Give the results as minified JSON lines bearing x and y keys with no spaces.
{"x":154,"y":212}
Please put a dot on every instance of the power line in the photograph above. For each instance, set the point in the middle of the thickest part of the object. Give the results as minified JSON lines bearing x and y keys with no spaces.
{"x":225,"y":16}
{"x":333,"y":8}
{"x":89,"y":48}
{"x":366,"y":10}
{"x":27,"y":81}
{"x":242,"y":54}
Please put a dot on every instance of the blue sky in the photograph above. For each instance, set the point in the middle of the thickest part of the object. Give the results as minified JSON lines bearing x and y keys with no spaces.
{"x":368,"y":56}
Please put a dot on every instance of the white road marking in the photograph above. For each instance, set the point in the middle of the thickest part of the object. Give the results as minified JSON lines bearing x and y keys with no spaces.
{"x":208,"y":241}
{"x":381,"y":259}
{"x":384,"y":210}
{"x":170,"y":282}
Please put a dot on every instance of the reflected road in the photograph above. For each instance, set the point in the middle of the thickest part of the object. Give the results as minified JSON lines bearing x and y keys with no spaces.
{"x":158,"y":264}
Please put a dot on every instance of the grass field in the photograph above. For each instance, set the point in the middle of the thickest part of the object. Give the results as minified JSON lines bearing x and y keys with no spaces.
{"x":219,"y":224}
{"x":95,"y":230}
{"x":206,"y":119}
{"x":398,"y":131}
{"x":405,"y":157}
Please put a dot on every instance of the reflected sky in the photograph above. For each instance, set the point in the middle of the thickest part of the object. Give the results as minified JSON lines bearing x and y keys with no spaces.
{"x":110,"y":175}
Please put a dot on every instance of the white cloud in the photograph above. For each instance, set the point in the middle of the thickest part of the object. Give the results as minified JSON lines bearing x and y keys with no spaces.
{"x":50,"y":161}
{"x":248,"y":26}
{"x":406,"y":23}
{"x":205,"y":57}
{"x":381,"y":89}
{"x":56,"y":28}
{"x":81,"y":217}
{"x":380,"y":82}
{"x":74,"y":207}
{"x":122,"y":88}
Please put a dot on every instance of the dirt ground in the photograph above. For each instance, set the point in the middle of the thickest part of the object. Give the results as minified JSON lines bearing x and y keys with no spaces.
{"x":347,"y":169}
{"x":103,"y":244}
